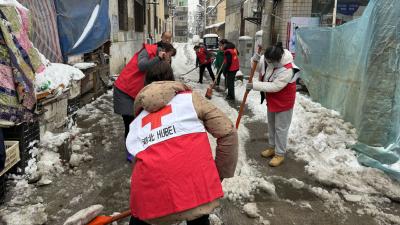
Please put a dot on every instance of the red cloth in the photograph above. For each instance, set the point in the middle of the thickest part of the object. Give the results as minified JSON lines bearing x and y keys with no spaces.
{"x":284,"y":99}
{"x":173,"y":176}
{"x":131,"y":79}
{"x":235,"y":60}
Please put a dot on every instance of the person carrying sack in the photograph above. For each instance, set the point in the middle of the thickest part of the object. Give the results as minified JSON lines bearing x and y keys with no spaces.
{"x":277,"y":77}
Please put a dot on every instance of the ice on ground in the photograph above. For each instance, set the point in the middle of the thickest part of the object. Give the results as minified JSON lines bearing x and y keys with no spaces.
{"x":215,"y":220}
{"x":85,"y":215}
{"x":251,"y":210}
{"x":26,"y":215}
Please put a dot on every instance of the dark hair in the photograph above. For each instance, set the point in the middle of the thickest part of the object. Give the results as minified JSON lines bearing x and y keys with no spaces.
{"x":223,"y":41}
{"x":274,"y":53}
{"x":159,"y":72}
{"x":167,"y":47}
{"x":229,"y":45}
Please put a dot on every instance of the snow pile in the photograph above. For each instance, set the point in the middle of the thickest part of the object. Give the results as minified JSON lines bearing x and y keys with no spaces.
{"x":26,"y":215}
{"x":320,"y":137}
{"x":23,"y":208}
{"x":56,"y":74}
{"x":251,"y":210}
{"x":85,"y":65}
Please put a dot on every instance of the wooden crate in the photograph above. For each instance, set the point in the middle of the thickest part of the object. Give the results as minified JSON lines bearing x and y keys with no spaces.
{"x":12,"y":155}
{"x":88,"y":83}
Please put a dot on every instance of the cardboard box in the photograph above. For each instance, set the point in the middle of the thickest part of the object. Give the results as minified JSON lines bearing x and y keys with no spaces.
{"x":12,"y":155}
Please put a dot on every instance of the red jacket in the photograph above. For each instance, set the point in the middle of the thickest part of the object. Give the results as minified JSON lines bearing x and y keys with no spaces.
{"x":235,"y":60}
{"x":131,"y":79}
{"x":202,"y":56}
{"x":284,"y":99}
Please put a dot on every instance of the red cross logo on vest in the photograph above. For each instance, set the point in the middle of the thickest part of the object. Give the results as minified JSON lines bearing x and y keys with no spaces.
{"x":155,"y":118}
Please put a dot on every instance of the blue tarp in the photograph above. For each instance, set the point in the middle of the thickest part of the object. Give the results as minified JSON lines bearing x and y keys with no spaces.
{"x":72,"y":19}
{"x":354,"y":69}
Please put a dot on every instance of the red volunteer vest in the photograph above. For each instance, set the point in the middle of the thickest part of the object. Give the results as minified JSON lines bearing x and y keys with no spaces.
{"x":131,"y":79}
{"x":202,"y":55}
{"x":284,"y":99}
{"x":174,"y":170}
{"x":235,"y":60}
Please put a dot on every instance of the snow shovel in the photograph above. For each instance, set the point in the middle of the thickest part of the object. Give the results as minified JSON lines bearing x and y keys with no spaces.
{"x":242,"y":105}
{"x":210,"y":88}
{"x":188,"y":71}
{"x":103,"y":220}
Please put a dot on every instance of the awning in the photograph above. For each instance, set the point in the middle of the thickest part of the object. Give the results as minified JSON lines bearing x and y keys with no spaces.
{"x":215,"y":25}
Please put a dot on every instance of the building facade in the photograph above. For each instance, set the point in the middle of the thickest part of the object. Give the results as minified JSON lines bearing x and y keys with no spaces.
{"x":216,"y":17}
{"x":128,"y":31}
{"x":134,"y":22}
{"x":180,"y":21}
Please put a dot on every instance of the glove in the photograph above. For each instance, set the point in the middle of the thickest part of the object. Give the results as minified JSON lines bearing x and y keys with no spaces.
{"x":256,"y":57}
{"x":249,"y":86}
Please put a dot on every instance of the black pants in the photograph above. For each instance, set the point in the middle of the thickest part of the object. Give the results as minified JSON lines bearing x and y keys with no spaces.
{"x":202,"y":68}
{"x":200,"y":221}
{"x":219,"y":77}
{"x":127,"y":121}
{"x":230,"y":81}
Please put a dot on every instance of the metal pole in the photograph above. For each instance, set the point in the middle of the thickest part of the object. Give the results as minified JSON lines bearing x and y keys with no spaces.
{"x":266,"y":23}
{"x":205,"y":17}
{"x":334,"y":14}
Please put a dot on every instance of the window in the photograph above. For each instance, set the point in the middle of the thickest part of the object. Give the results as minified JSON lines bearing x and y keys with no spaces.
{"x":123,"y":14}
{"x":139,"y":15}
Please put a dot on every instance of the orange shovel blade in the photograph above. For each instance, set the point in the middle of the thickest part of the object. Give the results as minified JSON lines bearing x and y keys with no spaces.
{"x":101,"y":220}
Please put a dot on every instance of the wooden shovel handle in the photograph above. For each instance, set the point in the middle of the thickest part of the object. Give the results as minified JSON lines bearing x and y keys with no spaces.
{"x":218,"y":75}
{"x":243,"y":104}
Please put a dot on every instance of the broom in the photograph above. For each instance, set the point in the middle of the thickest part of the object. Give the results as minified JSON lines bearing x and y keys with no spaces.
{"x":210,"y":88}
{"x":242,"y":105}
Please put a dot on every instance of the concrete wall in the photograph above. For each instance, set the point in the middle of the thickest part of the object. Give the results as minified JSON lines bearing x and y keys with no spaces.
{"x":232,"y":21}
{"x":221,"y":12}
{"x":123,"y":43}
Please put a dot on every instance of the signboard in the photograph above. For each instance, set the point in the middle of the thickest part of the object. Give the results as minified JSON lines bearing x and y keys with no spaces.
{"x":295,"y":23}
{"x":347,"y":8}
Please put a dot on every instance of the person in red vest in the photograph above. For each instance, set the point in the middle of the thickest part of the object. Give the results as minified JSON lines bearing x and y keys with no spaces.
{"x":231,"y":61}
{"x":175,"y":177}
{"x":132,"y":76}
{"x":277,"y":77}
{"x":205,"y":60}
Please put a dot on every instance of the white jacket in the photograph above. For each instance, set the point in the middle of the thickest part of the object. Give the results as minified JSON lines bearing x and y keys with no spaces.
{"x":273,"y":81}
